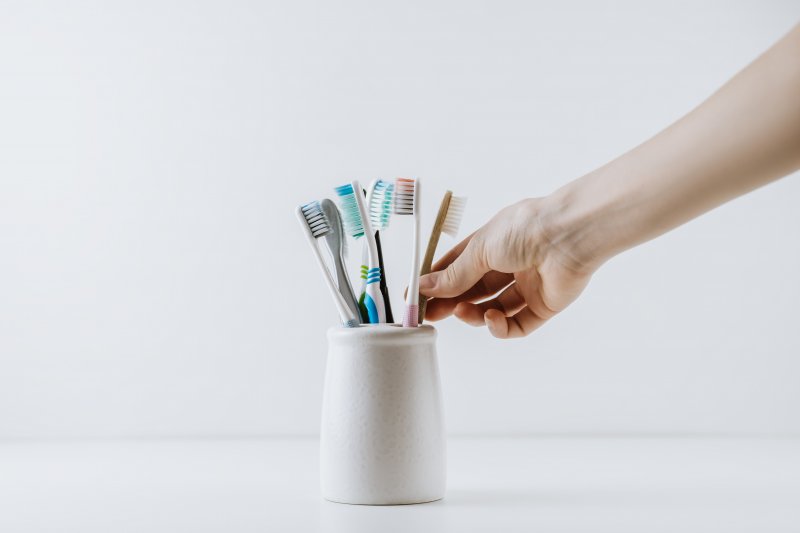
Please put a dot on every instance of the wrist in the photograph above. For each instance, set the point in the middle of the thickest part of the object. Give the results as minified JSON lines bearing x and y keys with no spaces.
{"x":577,"y":222}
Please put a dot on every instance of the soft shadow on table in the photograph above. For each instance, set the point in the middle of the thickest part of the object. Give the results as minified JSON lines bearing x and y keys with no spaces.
{"x":432,"y":517}
{"x":344,"y":518}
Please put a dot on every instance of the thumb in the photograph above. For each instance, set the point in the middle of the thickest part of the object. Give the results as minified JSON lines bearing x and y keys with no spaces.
{"x":458,"y":277}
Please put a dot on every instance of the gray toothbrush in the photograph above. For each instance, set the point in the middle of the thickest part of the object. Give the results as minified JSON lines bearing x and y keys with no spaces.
{"x":336,"y":245}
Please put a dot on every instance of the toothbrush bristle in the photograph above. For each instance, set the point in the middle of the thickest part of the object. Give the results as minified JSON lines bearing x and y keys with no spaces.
{"x":404,"y":196}
{"x":316,"y":219}
{"x":380,"y":205}
{"x":351,"y":217}
{"x":455,"y":212}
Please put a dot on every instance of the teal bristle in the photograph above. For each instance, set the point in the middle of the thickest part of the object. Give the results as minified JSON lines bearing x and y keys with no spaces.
{"x":380,"y":205}
{"x":351,"y":217}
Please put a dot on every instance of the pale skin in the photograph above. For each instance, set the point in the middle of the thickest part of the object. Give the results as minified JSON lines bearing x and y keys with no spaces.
{"x":535,"y":257}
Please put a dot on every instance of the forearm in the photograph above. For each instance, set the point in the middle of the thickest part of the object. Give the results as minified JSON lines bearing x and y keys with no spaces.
{"x":744,"y":136}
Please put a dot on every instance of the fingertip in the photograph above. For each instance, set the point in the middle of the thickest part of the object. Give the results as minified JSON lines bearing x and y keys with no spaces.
{"x":434,"y":315}
{"x":497,"y":323}
{"x":427,"y":283}
{"x":438,"y":309}
{"x":469,"y":313}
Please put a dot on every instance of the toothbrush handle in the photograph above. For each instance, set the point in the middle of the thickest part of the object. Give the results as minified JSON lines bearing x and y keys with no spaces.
{"x":433,"y":242}
{"x":348,"y":319}
{"x":384,"y":286}
{"x":373,"y":296}
{"x":411,"y":315}
{"x":373,"y":299}
{"x":343,"y":282}
{"x":363,"y":276}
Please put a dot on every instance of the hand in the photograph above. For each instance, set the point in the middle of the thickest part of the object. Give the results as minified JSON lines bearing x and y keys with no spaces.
{"x":512,"y":254}
{"x":535,"y":257}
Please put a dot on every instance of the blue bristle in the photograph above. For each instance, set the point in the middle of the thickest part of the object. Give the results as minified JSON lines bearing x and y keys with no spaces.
{"x":351,"y":216}
{"x":380,"y":208}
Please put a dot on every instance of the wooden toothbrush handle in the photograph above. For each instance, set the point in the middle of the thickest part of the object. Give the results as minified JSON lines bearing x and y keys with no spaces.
{"x":433,"y":242}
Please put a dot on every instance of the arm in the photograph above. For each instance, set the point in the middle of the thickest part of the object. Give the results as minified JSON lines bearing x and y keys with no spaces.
{"x":542,"y":252}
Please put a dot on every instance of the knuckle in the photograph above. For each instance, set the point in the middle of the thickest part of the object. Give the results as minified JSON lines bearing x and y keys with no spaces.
{"x":450,"y":275}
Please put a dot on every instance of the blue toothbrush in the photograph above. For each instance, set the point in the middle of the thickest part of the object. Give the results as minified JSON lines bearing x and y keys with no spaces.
{"x":357,"y":224}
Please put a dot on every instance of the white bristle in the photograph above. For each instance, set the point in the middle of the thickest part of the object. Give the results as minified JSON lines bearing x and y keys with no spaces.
{"x":455,"y":212}
{"x":316,"y":219}
{"x":404,"y":196}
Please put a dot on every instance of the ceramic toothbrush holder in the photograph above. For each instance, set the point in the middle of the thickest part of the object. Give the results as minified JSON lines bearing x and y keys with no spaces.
{"x":382,"y":438}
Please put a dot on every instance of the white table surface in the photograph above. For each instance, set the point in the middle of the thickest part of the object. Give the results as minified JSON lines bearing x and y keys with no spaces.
{"x":513,"y":484}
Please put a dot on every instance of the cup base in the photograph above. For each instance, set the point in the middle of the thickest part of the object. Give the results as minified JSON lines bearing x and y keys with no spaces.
{"x":403,"y":502}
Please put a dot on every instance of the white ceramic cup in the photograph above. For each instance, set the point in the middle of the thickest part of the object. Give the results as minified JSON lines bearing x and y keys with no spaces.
{"x":382,"y":438}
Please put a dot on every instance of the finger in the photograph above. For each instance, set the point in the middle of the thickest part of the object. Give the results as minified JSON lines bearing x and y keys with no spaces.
{"x":458,"y":276}
{"x":488,"y":285}
{"x":518,"y":325}
{"x":446,"y":260}
{"x":508,"y":302}
{"x":452,"y":254}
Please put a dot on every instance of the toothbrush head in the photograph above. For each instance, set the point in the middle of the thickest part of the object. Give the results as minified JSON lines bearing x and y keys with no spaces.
{"x":316,"y":220}
{"x":351,"y":216}
{"x":405,"y":196}
{"x":455,"y":212}
{"x":380,"y":205}
{"x":335,"y":238}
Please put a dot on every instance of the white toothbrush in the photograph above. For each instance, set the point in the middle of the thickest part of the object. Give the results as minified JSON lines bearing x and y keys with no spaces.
{"x":337,"y":246}
{"x":357,"y":224}
{"x":406,"y":202}
{"x":316,"y":225}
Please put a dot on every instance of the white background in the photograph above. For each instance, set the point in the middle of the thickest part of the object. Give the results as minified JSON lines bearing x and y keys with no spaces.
{"x":153,"y":280}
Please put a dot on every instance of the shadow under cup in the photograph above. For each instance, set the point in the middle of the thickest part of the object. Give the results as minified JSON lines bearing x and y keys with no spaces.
{"x":382,"y":435}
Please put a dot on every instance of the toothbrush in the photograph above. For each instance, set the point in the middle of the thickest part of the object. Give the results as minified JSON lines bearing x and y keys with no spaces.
{"x":448,"y":219}
{"x":364,"y":269}
{"x":357,"y":224}
{"x":363,"y":291}
{"x":407,"y":203}
{"x":379,"y":205}
{"x":384,"y":288}
{"x":337,"y":245}
{"x":315,"y":225}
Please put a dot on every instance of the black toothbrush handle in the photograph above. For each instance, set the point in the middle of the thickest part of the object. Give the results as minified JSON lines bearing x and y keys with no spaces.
{"x":384,"y":287}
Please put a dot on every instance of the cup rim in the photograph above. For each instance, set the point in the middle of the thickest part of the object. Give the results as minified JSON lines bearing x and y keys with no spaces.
{"x":382,"y":333}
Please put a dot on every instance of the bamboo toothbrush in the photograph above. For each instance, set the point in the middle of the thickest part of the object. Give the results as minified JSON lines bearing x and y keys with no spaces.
{"x":407,"y":202}
{"x":379,"y":205}
{"x":315,"y":225}
{"x":357,"y":224}
{"x":337,"y":246}
{"x":448,"y":219}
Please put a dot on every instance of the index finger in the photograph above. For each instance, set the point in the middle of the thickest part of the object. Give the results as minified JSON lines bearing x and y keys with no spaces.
{"x":452,"y":254}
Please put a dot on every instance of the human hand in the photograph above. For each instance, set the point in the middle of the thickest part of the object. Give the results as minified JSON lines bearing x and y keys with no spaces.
{"x":515,"y":255}
{"x":536,"y":256}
